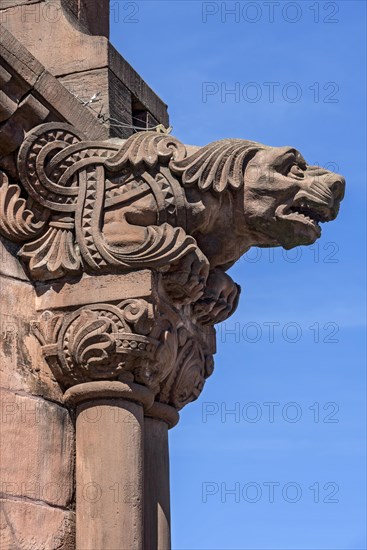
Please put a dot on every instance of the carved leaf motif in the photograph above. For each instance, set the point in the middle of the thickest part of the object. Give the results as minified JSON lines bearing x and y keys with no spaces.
{"x":52,"y":255}
{"x":190,"y":372}
{"x":47,"y":328}
{"x":146,"y":148}
{"x":17,"y":221}
{"x":91,"y":342}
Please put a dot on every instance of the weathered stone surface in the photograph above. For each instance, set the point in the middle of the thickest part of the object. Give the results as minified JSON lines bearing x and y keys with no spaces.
{"x":27,"y":526}
{"x":157,"y":518}
{"x":22,"y":366}
{"x":69,"y":22}
{"x":9,"y":263}
{"x":113,"y":99}
{"x":47,"y":20}
{"x":68,"y":107}
{"x":94,"y":16}
{"x":85,"y":84}
{"x":28,"y":113}
{"x":18,"y":57}
{"x":131,"y":79}
{"x":43,"y":435}
{"x":91,"y":290}
{"x":25,"y":78}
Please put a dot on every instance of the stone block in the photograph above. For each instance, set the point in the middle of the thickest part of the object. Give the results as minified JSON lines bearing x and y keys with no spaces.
{"x":9,"y":264}
{"x":91,"y":290}
{"x":41,"y":434}
{"x":27,"y":526}
{"x":22,"y":365}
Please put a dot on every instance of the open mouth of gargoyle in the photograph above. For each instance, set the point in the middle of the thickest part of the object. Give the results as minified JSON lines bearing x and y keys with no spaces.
{"x":304,"y":213}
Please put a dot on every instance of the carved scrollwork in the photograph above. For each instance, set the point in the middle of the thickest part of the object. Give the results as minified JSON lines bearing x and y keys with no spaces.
{"x":75,"y":181}
{"x":147,"y":148}
{"x":132,"y":340}
{"x":49,"y":160}
{"x":98,"y":342}
{"x":17,"y":221}
{"x":193,"y":364}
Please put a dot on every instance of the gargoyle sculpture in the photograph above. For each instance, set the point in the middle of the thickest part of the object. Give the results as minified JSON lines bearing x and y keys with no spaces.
{"x":152,"y":202}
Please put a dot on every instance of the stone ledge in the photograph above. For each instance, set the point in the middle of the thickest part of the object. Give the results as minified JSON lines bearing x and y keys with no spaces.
{"x":94,"y":289}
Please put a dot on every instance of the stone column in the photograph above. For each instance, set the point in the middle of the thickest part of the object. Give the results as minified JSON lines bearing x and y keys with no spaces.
{"x":157,"y":517}
{"x":109,"y":464}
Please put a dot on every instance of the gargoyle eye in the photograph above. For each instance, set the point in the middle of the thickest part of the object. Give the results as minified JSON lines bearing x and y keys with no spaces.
{"x":296,"y":170}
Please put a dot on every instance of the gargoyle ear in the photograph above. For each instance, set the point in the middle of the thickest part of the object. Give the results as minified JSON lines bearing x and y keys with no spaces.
{"x":217,"y":166}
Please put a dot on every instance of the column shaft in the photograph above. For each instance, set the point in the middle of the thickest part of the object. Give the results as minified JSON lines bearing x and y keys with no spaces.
{"x":109,"y":475}
{"x":157,"y":535}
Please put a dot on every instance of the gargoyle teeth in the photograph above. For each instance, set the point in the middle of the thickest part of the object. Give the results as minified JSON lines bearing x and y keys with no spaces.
{"x":305,"y":212}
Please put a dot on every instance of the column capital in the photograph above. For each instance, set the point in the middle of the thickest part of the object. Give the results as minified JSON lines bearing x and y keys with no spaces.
{"x":119,"y":335}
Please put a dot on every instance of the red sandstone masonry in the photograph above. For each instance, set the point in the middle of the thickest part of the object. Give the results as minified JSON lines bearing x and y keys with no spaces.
{"x":37,"y":450}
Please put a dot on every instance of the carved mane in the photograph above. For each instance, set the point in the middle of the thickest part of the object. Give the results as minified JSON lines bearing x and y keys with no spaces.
{"x":218,"y":166}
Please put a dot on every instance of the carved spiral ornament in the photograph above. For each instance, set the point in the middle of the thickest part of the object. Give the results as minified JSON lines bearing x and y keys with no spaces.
{"x":17,"y":220}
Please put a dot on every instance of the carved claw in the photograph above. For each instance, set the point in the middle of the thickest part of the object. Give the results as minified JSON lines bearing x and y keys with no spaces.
{"x":220,"y":299}
{"x":186,"y":279}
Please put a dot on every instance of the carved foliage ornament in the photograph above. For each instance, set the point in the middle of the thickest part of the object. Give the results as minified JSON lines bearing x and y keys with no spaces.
{"x":131,"y":340}
{"x":68,"y":178}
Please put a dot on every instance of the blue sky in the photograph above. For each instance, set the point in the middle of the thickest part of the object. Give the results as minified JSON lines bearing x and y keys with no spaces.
{"x":313,"y":379}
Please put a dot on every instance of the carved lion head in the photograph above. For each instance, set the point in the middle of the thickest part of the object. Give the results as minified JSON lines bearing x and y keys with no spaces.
{"x":283,"y":198}
{"x":286,"y":199}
